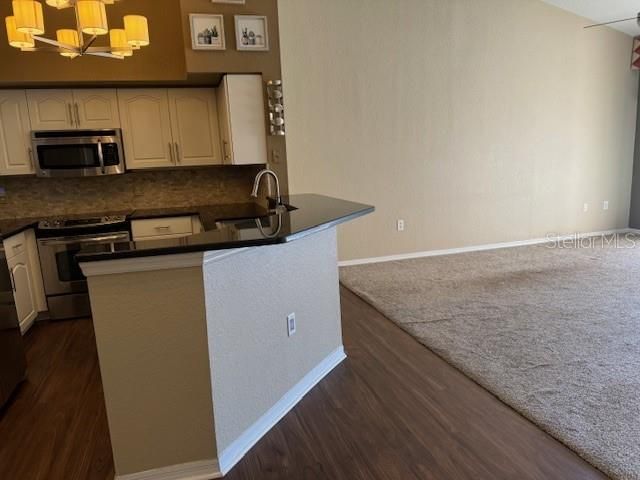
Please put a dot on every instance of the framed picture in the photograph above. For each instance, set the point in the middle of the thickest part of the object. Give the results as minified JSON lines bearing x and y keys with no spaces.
{"x":252,"y":33}
{"x":207,"y":31}
{"x":235,"y":2}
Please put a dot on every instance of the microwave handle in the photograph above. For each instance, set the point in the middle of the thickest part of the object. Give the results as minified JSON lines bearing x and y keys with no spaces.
{"x":101,"y":157}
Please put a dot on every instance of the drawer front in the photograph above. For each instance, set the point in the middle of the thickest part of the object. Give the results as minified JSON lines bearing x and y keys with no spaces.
{"x":160,"y":227}
{"x":15,"y":245}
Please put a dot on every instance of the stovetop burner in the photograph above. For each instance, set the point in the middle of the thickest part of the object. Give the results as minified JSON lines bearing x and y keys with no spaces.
{"x":73,"y":223}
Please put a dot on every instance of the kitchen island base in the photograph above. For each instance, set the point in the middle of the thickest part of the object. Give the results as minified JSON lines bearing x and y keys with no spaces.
{"x":196,"y":357}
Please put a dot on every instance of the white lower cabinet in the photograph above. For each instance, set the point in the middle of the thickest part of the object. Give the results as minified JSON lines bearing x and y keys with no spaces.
{"x":26,"y":277}
{"x":22,"y":290}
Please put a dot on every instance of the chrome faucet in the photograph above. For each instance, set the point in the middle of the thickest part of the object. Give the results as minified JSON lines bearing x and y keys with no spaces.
{"x":256,"y":186}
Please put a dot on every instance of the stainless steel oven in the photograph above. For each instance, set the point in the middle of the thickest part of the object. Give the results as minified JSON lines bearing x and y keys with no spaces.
{"x":64,"y":283}
{"x":78,"y":153}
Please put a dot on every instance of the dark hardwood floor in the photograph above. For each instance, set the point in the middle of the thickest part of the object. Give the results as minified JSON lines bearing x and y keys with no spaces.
{"x":392,"y":410}
{"x":55,"y":426}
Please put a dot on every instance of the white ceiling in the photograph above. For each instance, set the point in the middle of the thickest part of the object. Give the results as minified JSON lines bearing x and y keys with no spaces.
{"x":604,"y":11}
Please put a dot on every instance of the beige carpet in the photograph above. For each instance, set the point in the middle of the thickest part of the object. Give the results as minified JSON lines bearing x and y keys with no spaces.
{"x":553,"y":332}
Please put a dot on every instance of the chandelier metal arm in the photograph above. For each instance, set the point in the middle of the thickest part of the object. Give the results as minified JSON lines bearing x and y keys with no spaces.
{"x":104,"y":54}
{"x":86,"y":45}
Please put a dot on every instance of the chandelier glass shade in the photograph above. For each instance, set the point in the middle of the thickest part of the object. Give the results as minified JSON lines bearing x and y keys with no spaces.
{"x":29,"y":16}
{"x":58,"y":3}
{"x":18,"y":39}
{"x":27,"y":24}
{"x":68,"y":37}
{"x":92,"y":17}
{"x":119,"y":43}
{"x":137,"y":30}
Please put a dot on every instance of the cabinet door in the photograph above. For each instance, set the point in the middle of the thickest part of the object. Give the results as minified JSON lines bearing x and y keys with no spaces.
{"x":15,"y":132}
{"x":194,"y":125}
{"x":246,"y":119}
{"x":95,"y":109}
{"x":146,"y":128}
{"x":25,"y":304}
{"x":51,"y":109}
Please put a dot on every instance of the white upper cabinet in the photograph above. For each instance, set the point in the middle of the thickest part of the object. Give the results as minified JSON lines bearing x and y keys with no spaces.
{"x":242,"y":120}
{"x":51,"y":109}
{"x":96,"y":109}
{"x":146,"y":126}
{"x":73,"y":109}
{"x":194,"y":126}
{"x":15,"y":134}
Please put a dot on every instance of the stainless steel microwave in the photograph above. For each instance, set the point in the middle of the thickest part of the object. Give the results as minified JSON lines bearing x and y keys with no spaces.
{"x":78,"y":153}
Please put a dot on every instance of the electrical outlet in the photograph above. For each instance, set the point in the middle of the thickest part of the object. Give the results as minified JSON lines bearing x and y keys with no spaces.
{"x":400,"y":225}
{"x":585,"y":208}
{"x":291,"y":324}
{"x":605,"y":205}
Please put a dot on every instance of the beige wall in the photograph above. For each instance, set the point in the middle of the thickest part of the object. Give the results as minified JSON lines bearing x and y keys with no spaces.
{"x":154,"y":363}
{"x":475,"y":122}
{"x":202,"y":63}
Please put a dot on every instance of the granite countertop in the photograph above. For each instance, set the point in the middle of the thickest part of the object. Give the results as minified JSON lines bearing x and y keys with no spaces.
{"x":236,"y":226}
{"x":13,"y":226}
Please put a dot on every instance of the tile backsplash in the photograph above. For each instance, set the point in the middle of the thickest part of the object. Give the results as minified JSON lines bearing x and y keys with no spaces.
{"x":28,"y":197}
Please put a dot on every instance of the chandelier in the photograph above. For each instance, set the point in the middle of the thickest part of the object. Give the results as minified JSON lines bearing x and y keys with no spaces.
{"x":26,"y":26}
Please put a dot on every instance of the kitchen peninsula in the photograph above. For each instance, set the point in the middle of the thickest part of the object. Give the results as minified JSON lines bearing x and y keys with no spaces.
{"x":207,"y":341}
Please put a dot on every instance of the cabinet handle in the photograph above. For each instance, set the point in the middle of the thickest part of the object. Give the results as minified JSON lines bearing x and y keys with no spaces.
{"x":33,"y":162}
{"x":70,"y":111}
{"x":163,"y":228}
{"x":17,"y":246}
{"x":77,"y":114}
{"x":171,"y":152}
{"x":225,"y":147}
{"x":13,"y":280}
{"x":178,"y":160}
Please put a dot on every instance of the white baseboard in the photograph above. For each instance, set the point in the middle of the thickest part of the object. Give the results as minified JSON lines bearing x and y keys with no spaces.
{"x":478,"y":248}
{"x":201,"y":470}
{"x":234,"y":452}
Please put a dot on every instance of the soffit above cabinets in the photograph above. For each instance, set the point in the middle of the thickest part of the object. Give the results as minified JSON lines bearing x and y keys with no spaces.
{"x":599,"y":11}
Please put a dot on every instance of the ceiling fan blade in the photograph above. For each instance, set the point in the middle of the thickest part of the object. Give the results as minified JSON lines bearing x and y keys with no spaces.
{"x":637,"y":17}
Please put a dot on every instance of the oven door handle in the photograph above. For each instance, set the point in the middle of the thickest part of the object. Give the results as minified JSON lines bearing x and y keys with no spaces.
{"x":101,"y":157}
{"x":66,"y":241}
